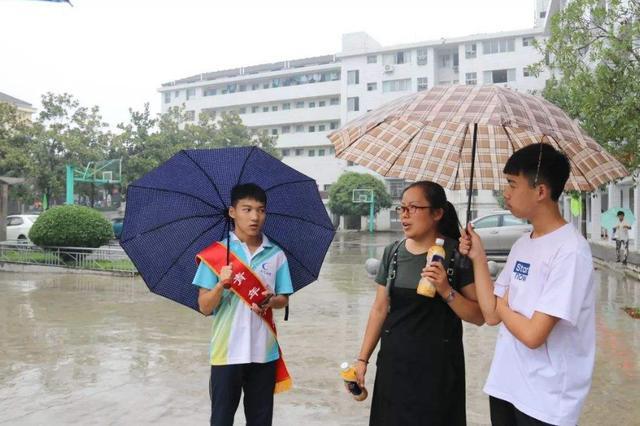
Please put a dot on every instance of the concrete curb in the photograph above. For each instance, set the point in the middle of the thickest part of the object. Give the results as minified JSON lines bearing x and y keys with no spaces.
{"x":27,"y":267}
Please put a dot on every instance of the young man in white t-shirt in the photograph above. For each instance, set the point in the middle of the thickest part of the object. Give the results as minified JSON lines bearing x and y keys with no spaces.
{"x":544,"y":299}
{"x":621,"y":235}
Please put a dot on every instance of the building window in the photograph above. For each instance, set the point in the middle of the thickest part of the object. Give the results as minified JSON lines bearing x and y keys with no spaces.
{"x":322,"y":128}
{"x":286,"y":129}
{"x":498,"y":46}
{"x":300,"y":104}
{"x":527,"y":41}
{"x":274,"y":132}
{"x":274,"y":108}
{"x":312,"y":129}
{"x":353,"y":104}
{"x":254,"y":109}
{"x":299,"y":152}
{"x":190,"y":115}
{"x":396,"y":85}
{"x":209,"y":112}
{"x":500,"y":76}
{"x":526,"y":72}
{"x":333,"y":125}
{"x":445,"y":61}
{"x":255,"y":86}
{"x":176,"y":93}
{"x":372,"y":59}
{"x":242,"y":88}
{"x":321,"y":152}
{"x":471,"y":79}
{"x":423,"y":83}
{"x":285,"y":152}
{"x":286,"y":106}
{"x":334,"y":101}
{"x":265,"y":109}
{"x":191,"y":93}
{"x":243,"y":110}
{"x":396,"y":186}
{"x":312,"y":153}
{"x":543,"y":14}
{"x":353,"y":77}
{"x":265,"y":85}
{"x":422,"y":56}
{"x":209,"y":91}
{"x":322,"y":103}
{"x":167,"y":97}
{"x":312,"y":104}
{"x":372,"y":87}
{"x":299,"y":128}
{"x":470,"y":50}
{"x":397,"y":58}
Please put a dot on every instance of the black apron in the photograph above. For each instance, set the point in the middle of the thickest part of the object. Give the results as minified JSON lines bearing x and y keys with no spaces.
{"x":420,"y":376}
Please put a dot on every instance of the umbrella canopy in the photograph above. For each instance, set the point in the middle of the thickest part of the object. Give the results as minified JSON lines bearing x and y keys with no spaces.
{"x":178,"y":209}
{"x":429,"y":135}
{"x":609,"y":219}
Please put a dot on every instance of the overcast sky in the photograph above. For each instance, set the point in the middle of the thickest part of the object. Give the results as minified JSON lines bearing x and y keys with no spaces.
{"x":116,"y":53}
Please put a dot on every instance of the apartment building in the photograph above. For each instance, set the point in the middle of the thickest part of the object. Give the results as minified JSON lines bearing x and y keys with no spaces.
{"x":300,"y":101}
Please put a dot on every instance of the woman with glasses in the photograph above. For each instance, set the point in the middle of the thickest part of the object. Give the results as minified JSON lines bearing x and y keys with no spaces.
{"x":420,"y":366}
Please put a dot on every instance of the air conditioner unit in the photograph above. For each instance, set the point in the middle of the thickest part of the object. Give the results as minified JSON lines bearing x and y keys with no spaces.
{"x":388,"y":68}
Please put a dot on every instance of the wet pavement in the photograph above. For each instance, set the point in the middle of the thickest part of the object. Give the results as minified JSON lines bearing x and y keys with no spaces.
{"x":103,"y":350}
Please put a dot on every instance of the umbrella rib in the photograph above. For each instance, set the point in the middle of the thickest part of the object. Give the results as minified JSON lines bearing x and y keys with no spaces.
{"x":290,"y":255}
{"x":406,"y":145}
{"x":464,"y":137}
{"x":215,"y":187}
{"x":301,"y":219}
{"x":185,"y":250}
{"x":176,"y":192}
{"x":574,"y":164}
{"x":251,"y":151}
{"x":288,"y":183}
{"x":165,"y":225}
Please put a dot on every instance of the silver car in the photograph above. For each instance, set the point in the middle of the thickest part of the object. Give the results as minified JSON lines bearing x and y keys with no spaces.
{"x":500,"y":230}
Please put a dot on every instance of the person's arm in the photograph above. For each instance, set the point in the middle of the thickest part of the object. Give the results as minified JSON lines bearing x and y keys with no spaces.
{"x":532,"y":332}
{"x":464,"y":304}
{"x":377,"y":315}
{"x":209,"y":299}
{"x":471,"y":246}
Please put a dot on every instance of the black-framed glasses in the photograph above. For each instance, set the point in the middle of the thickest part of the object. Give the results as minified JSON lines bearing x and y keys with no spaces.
{"x":411,"y":209}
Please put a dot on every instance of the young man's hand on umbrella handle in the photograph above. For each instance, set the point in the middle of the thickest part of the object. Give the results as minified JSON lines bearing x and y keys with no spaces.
{"x":471,"y":244}
{"x":225,"y":275}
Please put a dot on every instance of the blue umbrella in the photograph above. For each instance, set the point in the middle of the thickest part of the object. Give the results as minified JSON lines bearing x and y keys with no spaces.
{"x":609,"y":219}
{"x":179,"y":208}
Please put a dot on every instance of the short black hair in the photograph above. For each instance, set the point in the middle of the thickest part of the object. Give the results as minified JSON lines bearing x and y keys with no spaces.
{"x":553,"y":171}
{"x":248,"y":190}
{"x":620,"y":213}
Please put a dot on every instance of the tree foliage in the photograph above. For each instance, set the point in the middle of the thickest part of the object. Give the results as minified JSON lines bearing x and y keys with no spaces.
{"x":341,"y":194}
{"x":594,"y":54}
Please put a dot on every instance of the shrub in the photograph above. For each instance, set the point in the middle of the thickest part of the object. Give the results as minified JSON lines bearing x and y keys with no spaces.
{"x":71,"y":226}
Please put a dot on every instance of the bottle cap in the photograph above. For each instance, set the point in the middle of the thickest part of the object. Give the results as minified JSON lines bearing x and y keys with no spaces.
{"x":439,"y":242}
{"x":344,"y":366}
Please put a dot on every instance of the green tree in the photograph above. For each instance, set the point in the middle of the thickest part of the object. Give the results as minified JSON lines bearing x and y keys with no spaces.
{"x":341,"y":194}
{"x":15,"y":141}
{"x":594,"y":52}
{"x":65,"y":133}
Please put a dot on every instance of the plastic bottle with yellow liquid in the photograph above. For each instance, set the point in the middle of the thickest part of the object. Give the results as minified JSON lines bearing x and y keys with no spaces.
{"x":348,"y":374}
{"x":434,"y":254}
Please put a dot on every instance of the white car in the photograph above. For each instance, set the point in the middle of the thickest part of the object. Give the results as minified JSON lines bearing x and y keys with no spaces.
{"x":500,"y":230}
{"x":18,"y":226}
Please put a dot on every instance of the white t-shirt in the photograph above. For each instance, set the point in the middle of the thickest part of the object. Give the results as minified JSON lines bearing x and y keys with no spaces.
{"x":552,"y":274}
{"x":621,"y":232}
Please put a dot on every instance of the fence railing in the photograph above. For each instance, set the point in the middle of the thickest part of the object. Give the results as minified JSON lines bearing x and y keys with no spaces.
{"x":110,"y":258}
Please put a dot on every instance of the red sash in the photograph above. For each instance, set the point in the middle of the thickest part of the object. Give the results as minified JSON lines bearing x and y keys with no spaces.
{"x":248,"y":287}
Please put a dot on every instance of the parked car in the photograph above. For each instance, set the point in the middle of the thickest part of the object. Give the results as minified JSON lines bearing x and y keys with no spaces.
{"x":116,"y":224}
{"x":18,"y":226}
{"x":500,"y":230}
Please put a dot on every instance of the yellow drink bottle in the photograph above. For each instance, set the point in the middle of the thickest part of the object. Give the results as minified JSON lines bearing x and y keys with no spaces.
{"x":435,"y":254}
{"x":348,"y":374}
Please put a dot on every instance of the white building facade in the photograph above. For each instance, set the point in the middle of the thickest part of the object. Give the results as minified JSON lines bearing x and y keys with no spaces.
{"x":301,"y":101}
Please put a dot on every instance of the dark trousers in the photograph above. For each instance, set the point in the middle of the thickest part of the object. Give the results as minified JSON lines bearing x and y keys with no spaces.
{"x":619,"y":244}
{"x":503,"y":413}
{"x":257,"y":381}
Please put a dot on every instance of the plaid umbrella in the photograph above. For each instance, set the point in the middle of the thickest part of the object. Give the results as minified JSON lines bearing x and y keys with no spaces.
{"x":432,"y":134}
